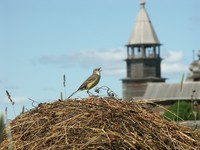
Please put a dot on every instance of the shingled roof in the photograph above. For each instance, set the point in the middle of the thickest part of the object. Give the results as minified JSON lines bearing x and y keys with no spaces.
{"x":171,"y":91}
{"x":143,"y":31}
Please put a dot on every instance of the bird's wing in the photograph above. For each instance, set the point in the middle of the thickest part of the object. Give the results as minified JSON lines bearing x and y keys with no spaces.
{"x":87,"y":81}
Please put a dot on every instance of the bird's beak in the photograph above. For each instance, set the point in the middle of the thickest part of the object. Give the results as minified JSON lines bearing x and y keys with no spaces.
{"x":99,"y":69}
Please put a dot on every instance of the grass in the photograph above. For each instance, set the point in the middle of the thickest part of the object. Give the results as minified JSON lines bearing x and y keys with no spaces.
{"x":1,"y":127}
{"x":185,"y":112}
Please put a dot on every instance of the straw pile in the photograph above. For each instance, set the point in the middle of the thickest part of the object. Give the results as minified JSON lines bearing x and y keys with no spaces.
{"x":98,"y":123}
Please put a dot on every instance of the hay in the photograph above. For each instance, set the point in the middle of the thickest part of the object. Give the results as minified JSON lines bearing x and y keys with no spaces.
{"x":98,"y":123}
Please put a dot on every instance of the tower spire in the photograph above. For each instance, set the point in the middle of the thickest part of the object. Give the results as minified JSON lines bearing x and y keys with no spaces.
{"x":142,"y":3}
{"x":143,"y":31}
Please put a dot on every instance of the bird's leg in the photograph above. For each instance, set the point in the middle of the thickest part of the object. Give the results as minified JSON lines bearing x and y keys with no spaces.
{"x":89,"y":93}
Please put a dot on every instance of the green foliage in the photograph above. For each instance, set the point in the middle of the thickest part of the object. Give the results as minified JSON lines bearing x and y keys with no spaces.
{"x":185,"y":112}
{"x":1,"y":127}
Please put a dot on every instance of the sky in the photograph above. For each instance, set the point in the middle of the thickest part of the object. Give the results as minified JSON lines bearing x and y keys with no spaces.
{"x":42,"y":40}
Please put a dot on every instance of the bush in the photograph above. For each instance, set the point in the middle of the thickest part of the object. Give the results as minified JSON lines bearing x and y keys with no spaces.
{"x":185,"y":112}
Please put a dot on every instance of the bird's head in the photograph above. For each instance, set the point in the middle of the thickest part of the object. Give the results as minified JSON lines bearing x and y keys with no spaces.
{"x":97,"y":71}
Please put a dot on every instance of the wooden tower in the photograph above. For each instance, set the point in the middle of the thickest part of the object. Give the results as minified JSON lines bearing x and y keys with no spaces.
{"x":143,"y":57}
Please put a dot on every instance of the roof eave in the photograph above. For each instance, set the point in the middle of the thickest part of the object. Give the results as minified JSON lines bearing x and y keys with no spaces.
{"x":143,"y":44}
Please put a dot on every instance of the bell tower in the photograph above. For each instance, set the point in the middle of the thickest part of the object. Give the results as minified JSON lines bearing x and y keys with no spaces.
{"x":143,"y":57}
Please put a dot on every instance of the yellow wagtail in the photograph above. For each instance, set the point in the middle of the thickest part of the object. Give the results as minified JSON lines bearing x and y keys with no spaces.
{"x":91,"y":81}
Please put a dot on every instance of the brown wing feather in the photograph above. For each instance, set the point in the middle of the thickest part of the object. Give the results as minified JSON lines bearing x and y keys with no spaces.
{"x":88,"y":80}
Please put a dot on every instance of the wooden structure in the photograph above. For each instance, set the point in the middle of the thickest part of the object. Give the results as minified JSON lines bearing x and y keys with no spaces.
{"x":143,"y":57}
{"x":172,"y":91}
{"x":195,"y":70}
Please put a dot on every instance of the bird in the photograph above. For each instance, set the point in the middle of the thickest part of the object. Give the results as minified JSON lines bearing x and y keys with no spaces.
{"x":90,"y":82}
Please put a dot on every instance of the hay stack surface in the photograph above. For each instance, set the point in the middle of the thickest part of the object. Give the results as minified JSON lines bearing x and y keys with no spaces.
{"x":98,"y":123}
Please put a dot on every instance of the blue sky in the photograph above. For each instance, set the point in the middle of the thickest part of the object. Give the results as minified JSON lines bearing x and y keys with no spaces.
{"x":40,"y":40}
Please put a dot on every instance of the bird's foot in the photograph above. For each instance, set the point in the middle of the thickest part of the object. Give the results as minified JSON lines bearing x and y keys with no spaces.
{"x":91,"y":95}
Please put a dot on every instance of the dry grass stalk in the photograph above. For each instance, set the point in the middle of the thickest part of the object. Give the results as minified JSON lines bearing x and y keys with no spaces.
{"x":12,"y":102}
{"x":1,"y":126}
{"x":181,"y":88}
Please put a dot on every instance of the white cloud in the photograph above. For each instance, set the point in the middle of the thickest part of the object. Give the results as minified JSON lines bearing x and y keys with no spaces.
{"x":172,"y":68}
{"x":173,"y":56}
{"x":173,"y":63}
{"x":111,"y":60}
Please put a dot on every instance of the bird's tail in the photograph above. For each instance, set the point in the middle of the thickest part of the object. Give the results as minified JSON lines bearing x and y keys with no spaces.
{"x":73,"y":94}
